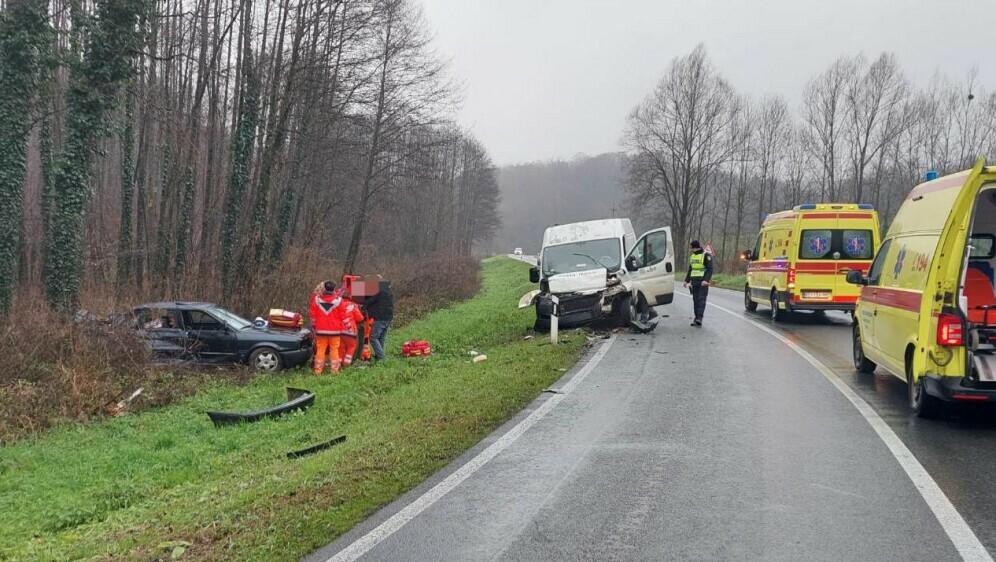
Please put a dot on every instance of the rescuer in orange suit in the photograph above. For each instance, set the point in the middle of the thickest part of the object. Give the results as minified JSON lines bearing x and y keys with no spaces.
{"x":326,"y":313}
{"x":351,"y":319}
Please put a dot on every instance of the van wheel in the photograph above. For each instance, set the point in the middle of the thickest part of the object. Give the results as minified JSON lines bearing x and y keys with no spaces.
{"x":923,"y":405}
{"x":749,"y":304}
{"x":777,"y":314}
{"x":624,"y":310}
{"x":861,"y":363}
{"x":541,"y":325}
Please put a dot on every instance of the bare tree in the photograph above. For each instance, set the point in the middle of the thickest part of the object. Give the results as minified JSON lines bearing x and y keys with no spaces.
{"x":877,"y":112}
{"x":823,"y":115}
{"x":675,"y":136}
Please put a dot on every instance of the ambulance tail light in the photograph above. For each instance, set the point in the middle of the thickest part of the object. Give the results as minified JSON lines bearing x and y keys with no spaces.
{"x":950,"y":331}
{"x":790,"y":283}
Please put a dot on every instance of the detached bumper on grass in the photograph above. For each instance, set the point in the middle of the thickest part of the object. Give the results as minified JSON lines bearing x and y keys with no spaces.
{"x":297,"y":399}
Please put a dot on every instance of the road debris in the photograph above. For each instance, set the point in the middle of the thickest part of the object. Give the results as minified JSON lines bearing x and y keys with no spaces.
{"x":315,"y":448}
{"x":297,"y":399}
{"x":479,"y":358}
{"x":118,"y":407}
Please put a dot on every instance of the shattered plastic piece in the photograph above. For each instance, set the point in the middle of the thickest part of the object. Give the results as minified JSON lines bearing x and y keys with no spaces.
{"x":643,"y":328}
{"x":528,"y":338}
{"x":473,"y":353}
{"x":297,"y":399}
{"x":116,"y":409}
{"x":315,"y":448}
{"x":479,"y":358}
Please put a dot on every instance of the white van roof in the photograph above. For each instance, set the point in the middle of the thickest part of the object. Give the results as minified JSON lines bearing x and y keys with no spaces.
{"x":588,"y":230}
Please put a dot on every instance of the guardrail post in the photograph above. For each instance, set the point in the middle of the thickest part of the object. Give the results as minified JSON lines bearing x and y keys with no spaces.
{"x":553,"y":320}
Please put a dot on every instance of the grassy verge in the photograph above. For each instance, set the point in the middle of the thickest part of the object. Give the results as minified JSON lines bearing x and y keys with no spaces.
{"x":165,"y":482}
{"x":735,"y":282}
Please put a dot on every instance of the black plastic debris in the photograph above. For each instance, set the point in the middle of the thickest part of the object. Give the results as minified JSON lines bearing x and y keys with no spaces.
{"x":297,"y":399}
{"x":316,"y":448}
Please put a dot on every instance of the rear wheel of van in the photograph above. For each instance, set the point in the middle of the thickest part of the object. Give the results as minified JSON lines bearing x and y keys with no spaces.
{"x":749,"y":303}
{"x":922,"y":404}
{"x":861,"y":363}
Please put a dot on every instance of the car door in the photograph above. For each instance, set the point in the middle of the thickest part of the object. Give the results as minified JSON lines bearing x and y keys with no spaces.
{"x":654,"y":277}
{"x":163,"y":332}
{"x":209,"y":338}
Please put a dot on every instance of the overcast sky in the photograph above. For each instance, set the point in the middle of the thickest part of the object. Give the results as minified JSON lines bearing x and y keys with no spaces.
{"x":550,"y":79}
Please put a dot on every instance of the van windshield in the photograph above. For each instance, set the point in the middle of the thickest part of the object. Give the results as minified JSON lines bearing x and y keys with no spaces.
{"x":839,"y":243}
{"x":582,"y":256}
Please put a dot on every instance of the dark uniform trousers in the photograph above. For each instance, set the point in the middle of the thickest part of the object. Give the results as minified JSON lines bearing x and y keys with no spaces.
{"x":699,"y":294}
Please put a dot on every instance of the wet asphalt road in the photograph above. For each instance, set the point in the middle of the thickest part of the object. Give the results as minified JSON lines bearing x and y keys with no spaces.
{"x":718,"y":443}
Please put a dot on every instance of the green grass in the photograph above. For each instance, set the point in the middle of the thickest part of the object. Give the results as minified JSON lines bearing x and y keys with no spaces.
{"x":167,"y":482}
{"x":736,"y":282}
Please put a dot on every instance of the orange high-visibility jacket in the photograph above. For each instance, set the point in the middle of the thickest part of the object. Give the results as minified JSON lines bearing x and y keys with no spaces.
{"x":326,"y":312}
{"x":351,"y":317}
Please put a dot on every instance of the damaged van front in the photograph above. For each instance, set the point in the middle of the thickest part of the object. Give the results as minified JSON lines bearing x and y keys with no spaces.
{"x":594,"y":270}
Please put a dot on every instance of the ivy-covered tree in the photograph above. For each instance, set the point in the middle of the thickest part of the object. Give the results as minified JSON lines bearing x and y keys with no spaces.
{"x":95,"y":80}
{"x":24,"y":36}
{"x":242,"y":154}
{"x":127,"y":194}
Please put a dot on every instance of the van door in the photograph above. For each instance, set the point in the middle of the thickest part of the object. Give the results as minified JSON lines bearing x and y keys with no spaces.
{"x":654,"y":257}
{"x":868,"y":312}
{"x":856,"y":250}
{"x":943,"y":286}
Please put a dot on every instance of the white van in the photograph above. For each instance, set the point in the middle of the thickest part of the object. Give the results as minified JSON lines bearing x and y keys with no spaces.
{"x":599,"y":269}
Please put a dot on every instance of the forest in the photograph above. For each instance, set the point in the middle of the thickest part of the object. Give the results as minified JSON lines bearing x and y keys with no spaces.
{"x":228,"y":150}
{"x":712,"y":162}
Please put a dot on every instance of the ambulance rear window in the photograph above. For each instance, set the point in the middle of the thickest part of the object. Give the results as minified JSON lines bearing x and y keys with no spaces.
{"x":842,"y":244}
{"x":857,"y":244}
{"x":815,"y":244}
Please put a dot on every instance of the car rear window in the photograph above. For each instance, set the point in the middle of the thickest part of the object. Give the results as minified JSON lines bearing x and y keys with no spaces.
{"x":843,"y":244}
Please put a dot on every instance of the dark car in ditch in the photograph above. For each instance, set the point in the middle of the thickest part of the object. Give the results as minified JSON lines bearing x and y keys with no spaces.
{"x":206,"y":333}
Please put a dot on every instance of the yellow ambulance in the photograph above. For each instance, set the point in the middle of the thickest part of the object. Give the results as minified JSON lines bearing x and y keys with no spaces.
{"x":927,"y":311}
{"x":802,"y":257}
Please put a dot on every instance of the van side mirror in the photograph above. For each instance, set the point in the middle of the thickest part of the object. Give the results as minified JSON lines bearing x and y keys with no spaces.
{"x":747,"y":255}
{"x":534,"y":275}
{"x":631,"y":264}
{"x":854,"y":277}
{"x":668,"y":267}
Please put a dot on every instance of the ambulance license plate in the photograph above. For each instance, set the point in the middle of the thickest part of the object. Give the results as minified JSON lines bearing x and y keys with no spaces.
{"x":816,"y":294}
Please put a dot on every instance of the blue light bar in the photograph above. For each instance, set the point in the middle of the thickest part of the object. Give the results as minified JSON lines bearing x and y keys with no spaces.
{"x":806,"y":207}
{"x":931,"y":175}
{"x":868,"y":206}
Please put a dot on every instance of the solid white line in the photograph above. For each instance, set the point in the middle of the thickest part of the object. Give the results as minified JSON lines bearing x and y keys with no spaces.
{"x":965,"y":541}
{"x":368,"y":541}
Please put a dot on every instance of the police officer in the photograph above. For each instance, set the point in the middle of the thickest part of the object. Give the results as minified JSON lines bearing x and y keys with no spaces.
{"x":698,"y":279}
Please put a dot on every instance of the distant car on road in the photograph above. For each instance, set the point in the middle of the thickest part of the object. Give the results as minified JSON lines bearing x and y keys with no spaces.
{"x":517,"y":251}
{"x":206,"y":333}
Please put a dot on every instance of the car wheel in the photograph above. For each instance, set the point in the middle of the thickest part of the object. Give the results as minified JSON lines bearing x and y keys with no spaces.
{"x":541,"y":325}
{"x":923,"y":405}
{"x":861,"y":363}
{"x":749,"y":303}
{"x":265,"y":359}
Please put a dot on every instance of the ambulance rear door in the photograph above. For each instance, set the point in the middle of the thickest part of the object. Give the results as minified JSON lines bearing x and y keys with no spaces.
{"x":855,"y":240}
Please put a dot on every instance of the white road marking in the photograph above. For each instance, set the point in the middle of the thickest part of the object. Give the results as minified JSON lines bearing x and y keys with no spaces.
{"x":964,"y":539}
{"x":368,"y":541}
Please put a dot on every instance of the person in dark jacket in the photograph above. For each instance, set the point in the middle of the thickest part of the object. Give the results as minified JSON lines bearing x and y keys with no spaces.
{"x":380,"y":307}
{"x":698,"y":278}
